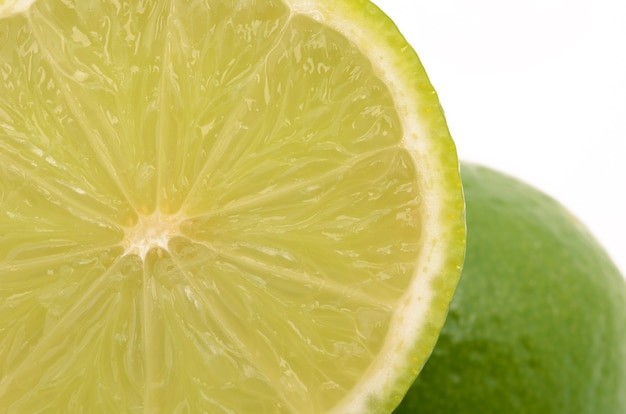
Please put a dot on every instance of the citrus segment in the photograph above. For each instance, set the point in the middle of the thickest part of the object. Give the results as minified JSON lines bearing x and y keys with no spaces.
{"x":213,"y":206}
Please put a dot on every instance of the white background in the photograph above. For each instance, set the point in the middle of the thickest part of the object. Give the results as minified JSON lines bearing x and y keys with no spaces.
{"x":537,"y":89}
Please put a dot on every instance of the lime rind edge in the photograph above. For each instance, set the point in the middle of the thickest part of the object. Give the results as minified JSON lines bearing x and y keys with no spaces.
{"x":428,"y":139}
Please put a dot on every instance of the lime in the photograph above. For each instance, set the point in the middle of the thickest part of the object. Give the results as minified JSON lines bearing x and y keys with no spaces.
{"x":538,"y":322}
{"x":213,"y":206}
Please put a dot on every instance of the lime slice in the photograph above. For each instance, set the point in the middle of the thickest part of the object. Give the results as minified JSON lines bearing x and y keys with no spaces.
{"x":219,"y":206}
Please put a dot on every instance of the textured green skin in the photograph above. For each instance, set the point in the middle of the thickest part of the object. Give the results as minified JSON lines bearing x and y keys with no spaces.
{"x":538,"y":323}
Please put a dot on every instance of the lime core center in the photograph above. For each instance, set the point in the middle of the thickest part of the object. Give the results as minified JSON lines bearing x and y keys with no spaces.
{"x":150,"y":231}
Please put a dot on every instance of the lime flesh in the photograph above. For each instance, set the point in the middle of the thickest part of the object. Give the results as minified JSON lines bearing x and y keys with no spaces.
{"x":211,"y":206}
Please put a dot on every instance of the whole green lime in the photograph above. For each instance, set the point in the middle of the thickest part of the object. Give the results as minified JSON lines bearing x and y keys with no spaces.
{"x":538,"y":322}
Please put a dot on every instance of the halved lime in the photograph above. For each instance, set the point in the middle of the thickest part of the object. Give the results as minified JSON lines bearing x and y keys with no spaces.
{"x":213,"y":206}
